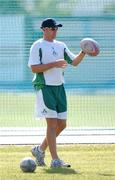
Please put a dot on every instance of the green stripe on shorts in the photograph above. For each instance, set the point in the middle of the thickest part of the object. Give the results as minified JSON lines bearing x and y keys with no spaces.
{"x":55,"y":98}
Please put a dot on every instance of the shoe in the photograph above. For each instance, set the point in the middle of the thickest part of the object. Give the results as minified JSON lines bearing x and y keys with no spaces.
{"x":36,"y":152}
{"x":59,"y":163}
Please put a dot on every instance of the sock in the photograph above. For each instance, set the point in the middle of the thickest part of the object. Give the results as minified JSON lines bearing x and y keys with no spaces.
{"x":40,"y":149}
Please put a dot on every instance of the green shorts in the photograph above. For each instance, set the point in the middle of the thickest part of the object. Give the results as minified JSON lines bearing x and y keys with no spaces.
{"x":51,"y":102}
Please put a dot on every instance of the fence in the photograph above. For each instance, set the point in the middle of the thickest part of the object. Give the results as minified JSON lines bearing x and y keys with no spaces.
{"x":90,"y":86}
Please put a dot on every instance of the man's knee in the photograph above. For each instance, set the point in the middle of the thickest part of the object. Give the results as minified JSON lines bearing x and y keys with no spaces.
{"x":61,"y":125}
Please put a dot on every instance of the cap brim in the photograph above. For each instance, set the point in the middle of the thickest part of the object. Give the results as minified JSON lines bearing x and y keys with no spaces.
{"x":59,"y":25}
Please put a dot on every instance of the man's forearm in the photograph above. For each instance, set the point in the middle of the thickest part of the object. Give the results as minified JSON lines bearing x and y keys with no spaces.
{"x":78,"y":58}
{"x":42,"y":67}
{"x":61,"y":63}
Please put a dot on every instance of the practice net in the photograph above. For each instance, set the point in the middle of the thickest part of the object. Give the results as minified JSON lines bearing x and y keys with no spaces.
{"x":90,"y":86}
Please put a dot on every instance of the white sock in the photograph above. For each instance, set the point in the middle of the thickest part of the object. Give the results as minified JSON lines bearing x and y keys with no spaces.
{"x":40,"y":149}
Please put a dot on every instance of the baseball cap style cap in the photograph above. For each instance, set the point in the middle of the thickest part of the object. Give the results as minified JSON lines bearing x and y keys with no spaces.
{"x":50,"y":22}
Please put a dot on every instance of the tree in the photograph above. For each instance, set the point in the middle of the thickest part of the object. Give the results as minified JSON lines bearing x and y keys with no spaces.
{"x":109,"y":9}
{"x":38,"y":7}
{"x":53,"y":7}
{"x":11,"y":7}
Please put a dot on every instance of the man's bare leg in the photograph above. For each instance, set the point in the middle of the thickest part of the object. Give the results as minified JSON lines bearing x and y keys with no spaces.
{"x":61,"y":125}
{"x":54,"y":127}
{"x":51,"y":136}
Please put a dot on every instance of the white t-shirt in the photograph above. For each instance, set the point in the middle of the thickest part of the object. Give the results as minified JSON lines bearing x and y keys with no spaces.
{"x":50,"y":52}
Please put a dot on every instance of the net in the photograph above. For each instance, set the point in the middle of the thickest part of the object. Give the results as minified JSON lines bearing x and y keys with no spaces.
{"x":90,"y":87}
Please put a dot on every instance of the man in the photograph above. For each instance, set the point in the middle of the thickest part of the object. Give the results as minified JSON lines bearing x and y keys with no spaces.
{"x":48,"y":58}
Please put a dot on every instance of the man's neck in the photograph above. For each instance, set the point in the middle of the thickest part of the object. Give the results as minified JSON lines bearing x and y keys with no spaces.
{"x":48,"y":39}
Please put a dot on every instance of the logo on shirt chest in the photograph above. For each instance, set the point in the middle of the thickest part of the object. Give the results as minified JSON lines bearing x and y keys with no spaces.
{"x":54,"y":52}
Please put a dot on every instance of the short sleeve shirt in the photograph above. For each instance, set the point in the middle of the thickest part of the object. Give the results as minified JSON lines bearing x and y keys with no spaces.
{"x":50,"y":52}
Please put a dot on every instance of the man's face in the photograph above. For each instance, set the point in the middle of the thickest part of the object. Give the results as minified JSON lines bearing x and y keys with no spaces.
{"x":50,"y":32}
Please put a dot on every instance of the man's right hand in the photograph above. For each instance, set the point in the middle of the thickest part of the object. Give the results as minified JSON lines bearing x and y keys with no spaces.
{"x":61,"y":63}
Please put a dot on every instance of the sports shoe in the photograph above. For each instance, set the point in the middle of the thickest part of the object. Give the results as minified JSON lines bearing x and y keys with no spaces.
{"x":59,"y":163}
{"x":39,"y":155}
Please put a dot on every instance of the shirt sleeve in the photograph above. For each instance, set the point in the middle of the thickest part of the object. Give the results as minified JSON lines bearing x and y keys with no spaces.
{"x":34,"y":57}
{"x":68,"y":55}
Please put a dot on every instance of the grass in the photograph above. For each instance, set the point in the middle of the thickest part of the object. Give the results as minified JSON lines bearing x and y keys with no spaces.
{"x":17,"y":110}
{"x":89,"y":162}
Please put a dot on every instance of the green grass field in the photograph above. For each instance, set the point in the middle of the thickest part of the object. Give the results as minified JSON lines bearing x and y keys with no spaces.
{"x":89,"y":162}
{"x":17,"y":110}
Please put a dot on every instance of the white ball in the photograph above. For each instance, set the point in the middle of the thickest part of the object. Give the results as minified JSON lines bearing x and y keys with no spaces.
{"x":90,"y":46}
{"x":28,"y":165}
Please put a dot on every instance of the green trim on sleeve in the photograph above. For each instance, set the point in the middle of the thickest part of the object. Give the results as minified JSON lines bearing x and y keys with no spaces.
{"x":39,"y":80}
{"x":66,"y":57}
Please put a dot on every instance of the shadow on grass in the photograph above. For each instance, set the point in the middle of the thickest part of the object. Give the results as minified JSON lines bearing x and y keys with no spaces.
{"x":106,"y":174}
{"x":28,"y":172}
{"x":60,"y":170}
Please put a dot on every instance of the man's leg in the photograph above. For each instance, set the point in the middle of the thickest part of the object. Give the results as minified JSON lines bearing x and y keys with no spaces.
{"x":61,"y":125}
{"x":51,"y":140}
{"x":57,"y":125}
